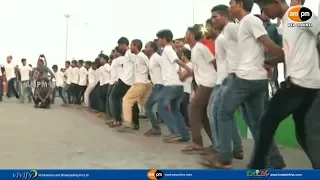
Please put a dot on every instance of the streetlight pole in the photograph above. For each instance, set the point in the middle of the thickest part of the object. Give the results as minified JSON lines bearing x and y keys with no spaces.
{"x":193,"y":9}
{"x":67,"y":16}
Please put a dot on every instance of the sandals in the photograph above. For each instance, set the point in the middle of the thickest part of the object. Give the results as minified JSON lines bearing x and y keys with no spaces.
{"x":152,"y":132}
{"x":192,"y":149}
{"x":210,"y":161}
{"x":114,"y":124}
{"x":172,"y":139}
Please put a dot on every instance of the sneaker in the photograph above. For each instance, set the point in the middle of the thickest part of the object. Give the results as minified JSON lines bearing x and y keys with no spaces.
{"x":125,"y":129}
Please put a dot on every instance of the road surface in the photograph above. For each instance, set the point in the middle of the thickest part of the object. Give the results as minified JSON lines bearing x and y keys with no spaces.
{"x":72,"y":138}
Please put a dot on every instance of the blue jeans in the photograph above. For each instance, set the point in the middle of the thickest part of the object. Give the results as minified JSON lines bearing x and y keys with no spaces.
{"x":152,"y":100}
{"x":250,"y":94}
{"x":214,"y":104}
{"x":169,"y":110}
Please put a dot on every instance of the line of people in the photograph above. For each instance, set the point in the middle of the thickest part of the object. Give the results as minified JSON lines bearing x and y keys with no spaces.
{"x":231,"y":67}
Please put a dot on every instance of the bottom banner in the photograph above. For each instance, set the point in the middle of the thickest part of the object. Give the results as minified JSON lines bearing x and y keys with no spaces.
{"x":155,"y":174}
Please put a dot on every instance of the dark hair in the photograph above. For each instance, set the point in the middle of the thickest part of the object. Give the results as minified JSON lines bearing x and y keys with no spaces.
{"x":89,"y":63}
{"x":123,"y":40}
{"x":247,"y":4}
{"x":54,"y":67}
{"x":30,"y":65}
{"x":209,"y":22}
{"x":105,"y":57}
{"x":187,"y":53}
{"x":68,"y":62}
{"x":80,"y":62}
{"x":165,"y":34}
{"x":221,"y":9}
{"x":153,"y":45}
{"x":74,"y":62}
{"x":196,"y":31}
{"x":138,"y":43}
{"x":23,"y":60}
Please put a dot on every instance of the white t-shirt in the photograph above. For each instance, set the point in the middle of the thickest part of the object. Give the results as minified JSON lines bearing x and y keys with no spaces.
{"x":252,"y":51}
{"x":10,"y":71}
{"x":68,"y":74}
{"x":169,"y":67}
{"x":59,"y":78}
{"x":230,"y":32}
{"x":141,"y":68}
{"x":116,"y":68}
{"x":25,"y":72}
{"x":92,"y":78}
{"x":127,"y":64}
{"x":155,"y":69}
{"x":83,"y":76}
{"x":75,"y":75}
{"x":105,"y":74}
{"x":301,"y":55}
{"x":187,"y":83}
{"x":221,"y":57}
{"x":203,"y":69}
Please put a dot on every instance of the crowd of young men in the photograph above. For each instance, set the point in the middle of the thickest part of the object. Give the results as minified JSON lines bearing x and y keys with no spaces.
{"x":231,"y":64}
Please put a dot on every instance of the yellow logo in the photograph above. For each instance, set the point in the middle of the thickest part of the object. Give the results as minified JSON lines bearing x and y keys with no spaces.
{"x":154,"y":174}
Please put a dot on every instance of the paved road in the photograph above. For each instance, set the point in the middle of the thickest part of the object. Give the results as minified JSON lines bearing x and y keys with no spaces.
{"x":72,"y":138}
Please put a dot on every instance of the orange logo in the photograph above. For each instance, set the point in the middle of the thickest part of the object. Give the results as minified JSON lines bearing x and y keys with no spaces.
{"x":299,"y":13}
{"x":154,"y":174}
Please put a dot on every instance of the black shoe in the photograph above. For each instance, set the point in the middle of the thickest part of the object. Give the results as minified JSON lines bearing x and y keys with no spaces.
{"x":237,"y":155}
{"x":136,"y":127}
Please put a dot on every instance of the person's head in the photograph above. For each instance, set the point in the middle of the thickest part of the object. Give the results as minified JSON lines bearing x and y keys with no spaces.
{"x":151,"y":48}
{"x":40,"y":62}
{"x":55,"y":68}
{"x":165,"y":37}
{"x":88,"y":64}
{"x":136,"y":46}
{"x":273,"y":8}
{"x":240,"y":7}
{"x":209,"y":28}
{"x":193,"y":34}
{"x":67,"y":64}
{"x":220,"y":16}
{"x":74,"y":63}
{"x":24,"y":61}
{"x":93,"y":65}
{"x":186,"y":55}
{"x":30,"y":65}
{"x":80,"y":63}
{"x":9,"y":59}
{"x":297,"y":2}
{"x":103,"y":59}
{"x":178,"y":43}
{"x":62,"y":70}
{"x":123,"y":44}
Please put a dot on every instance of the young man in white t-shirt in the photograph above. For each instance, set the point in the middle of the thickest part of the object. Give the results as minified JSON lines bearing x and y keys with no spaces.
{"x":300,"y":94}
{"x":68,"y":76}
{"x":139,"y":91}
{"x":59,"y":84}
{"x":187,"y":83}
{"x":83,"y":79}
{"x":25,"y":71}
{"x":171,"y":94}
{"x":73,"y":90}
{"x":156,"y":76}
{"x":247,"y":84}
{"x":10,"y":70}
{"x":125,"y":80}
{"x":104,"y":76}
{"x":205,"y":77}
{"x":91,"y":83}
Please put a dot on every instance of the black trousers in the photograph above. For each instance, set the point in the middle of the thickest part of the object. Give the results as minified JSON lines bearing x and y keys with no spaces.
{"x":74,"y":91}
{"x":59,"y":89}
{"x":108,"y":101}
{"x":103,"y":98}
{"x":82,"y":89}
{"x":288,"y":100}
{"x":68,"y":92}
{"x":184,"y":106}
{"x":11,"y":89}
{"x":45,"y":104}
{"x":94,"y":98}
{"x":118,"y":92}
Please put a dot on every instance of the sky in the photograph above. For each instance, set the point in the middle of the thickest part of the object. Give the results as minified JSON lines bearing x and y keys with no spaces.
{"x":34,"y":27}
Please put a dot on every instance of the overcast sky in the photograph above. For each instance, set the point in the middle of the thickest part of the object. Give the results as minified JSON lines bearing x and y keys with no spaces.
{"x":38,"y":26}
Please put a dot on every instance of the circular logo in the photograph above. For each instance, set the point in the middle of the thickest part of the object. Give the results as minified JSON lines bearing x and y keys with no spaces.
{"x":154,"y":174}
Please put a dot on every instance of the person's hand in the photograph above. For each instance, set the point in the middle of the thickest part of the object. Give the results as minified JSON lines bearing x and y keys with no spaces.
{"x":269,"y":69}
{"x":278,"y":22}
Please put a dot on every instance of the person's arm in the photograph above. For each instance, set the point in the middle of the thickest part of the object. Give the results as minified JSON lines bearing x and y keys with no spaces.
{"x":256,"y":28}
{"x":274,"y":61}
{"x":172,"y":55}
{"x":107,"y":67}
{"x":48,"y":93}
{"x":314,"y":29}
{"x":51,"y":73}
{"x":183,"y":75}
{"x":208,"y":56}
{"x":44,"y":61}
